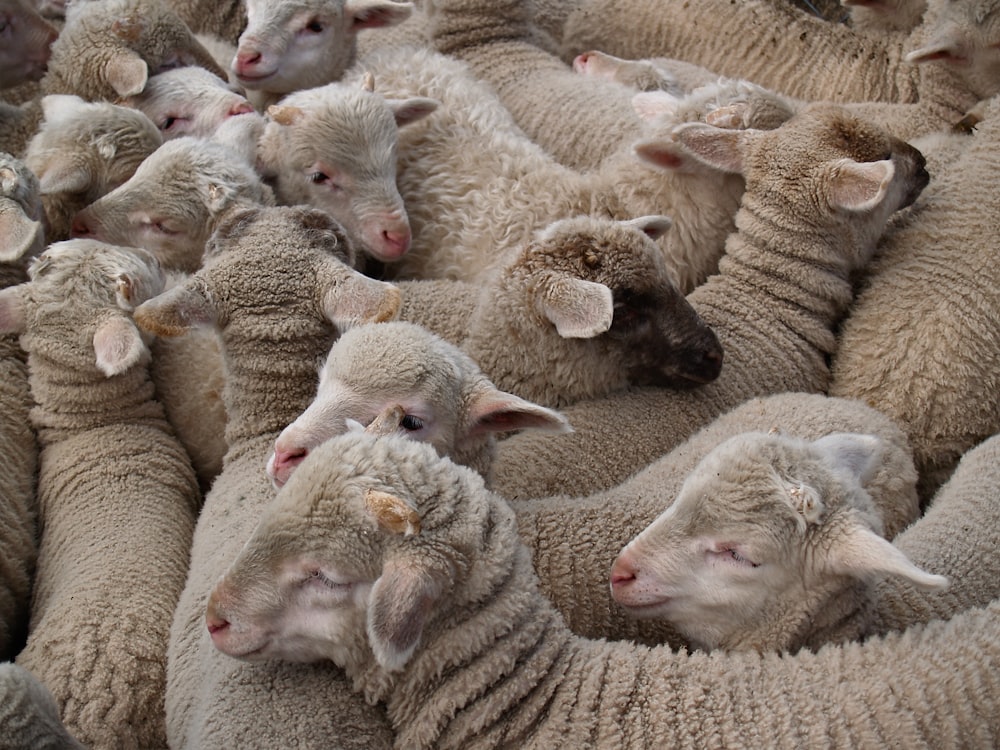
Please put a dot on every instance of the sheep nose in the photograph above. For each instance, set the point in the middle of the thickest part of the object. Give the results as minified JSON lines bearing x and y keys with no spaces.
{"x":214,"y":620}
{"x":285,"y":461}
{"x":79,"y":227}
{"x":580,"y":62}
{"x":622,"y":572}
{"x":243,"y":108}
{"x":396,"y":242}
{"x":246,"y":60}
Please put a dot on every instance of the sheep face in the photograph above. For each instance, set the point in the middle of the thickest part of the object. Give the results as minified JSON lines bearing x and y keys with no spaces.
{"x":26,"y":40}
{"x":173,"y":202}
{"x":289,"y":46}
{"x":20,"y":211}
{"x":765,"y":533}
{"x":334,"y":148}
{"x":446,"y":399}
{"x":354,"y":555}
{"x":188,"y":101}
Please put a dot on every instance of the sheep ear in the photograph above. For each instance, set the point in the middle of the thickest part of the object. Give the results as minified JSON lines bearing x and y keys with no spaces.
{"x":12,"y":314}
{"x":175,"y":312}
{"x":665,"y":154}
{"x":374,"y":14}
{"x":940,"y":47}
{"x":855,"y":454}
{"x":360,"y":299}
{"x":118,"y":345}
{"x":731,"y":116}
{"x":392,"y":513}
{"x":64,"y":174}
{"x":285,"y":114}
{"x":653,"y":227}
{"x":579,"y":309}
{"x":860,"y":552}
{"x":860,"y":186}
{"x":126,"y":72}
{"x":400,"y":602}
{"x":650,"y":105}
{"x":19,"y":234}
{"x":492,"y":410}
{"x":719,"y":148}
{"x":805,"y":500}
{"x":407,"y":111}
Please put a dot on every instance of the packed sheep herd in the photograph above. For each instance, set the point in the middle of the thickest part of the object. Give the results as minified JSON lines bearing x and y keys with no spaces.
{"x":499,"y":374}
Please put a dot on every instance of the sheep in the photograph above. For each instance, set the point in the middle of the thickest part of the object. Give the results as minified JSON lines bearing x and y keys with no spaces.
{"x":83,"y":150}
{"x":403,"y":569}
{"x":467,"y":213}
{"x":772,"y":543}
{"x":117,"y":494}
{"x":334,"y":147}
{"x":654,"y":74}
{"x":188,"y":101}
{"x":29,"y":716}
{"x":174,"y":201}
{"x":445,"y":398}
{"x":915,"y":84}
{"x":288,"y":47}
{"x":928,"y":307}
{"x":875,"y":16}
{"x":587,"y":307}
{"x":109,"y":48}
{"x":272,"y":281}
{"x":27,"y":38}
{"x":819,"y":194}
{"x":18,"y":123}
{"x":21,"y":238}
{"x":498,"y":42}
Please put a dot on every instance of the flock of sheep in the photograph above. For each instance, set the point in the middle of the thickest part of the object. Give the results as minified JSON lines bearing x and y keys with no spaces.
{"x":499,"y":373}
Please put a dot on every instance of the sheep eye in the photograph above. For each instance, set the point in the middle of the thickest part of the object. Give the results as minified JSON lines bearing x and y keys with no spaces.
{"x":3,"y":25}
{"x":318,"y":178}
{"x":168,"y":123}
{"x":317,"y":575}
{"x":411,"y":423}
{"x":160,"y":227}
{"x":314,"y":26}
{"x":740,"y":559}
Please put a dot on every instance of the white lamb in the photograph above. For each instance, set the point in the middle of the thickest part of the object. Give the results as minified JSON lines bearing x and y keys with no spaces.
{"x":401,"y":568}
{"x":772,"y":543}
{"x":289,"y":46}
{"x":334,"y":148}
{"x":82,"y":151}
{"x":446,"y":399}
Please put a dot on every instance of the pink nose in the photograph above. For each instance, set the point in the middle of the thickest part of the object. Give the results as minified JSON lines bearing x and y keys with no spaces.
{"x":246,"y":61}
{"x":79,"y":227}
{"x":286,"y":460}
{"x":622,"y":572}
{"x":396,"y":243}
{"x":580,"y":61}
{"x":214,"y":620}
{"x":243,"y":108}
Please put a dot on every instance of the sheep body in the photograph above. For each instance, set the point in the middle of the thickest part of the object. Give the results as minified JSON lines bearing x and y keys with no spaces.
{"x":117,"y":495}
{"x":27,"y":41}
{"x":29,"y":716}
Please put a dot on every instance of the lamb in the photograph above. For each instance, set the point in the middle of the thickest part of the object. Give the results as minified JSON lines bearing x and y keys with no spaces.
{"x":188,"y":101}
{"x":288,"y":47}
{"x":29,"y":716}
{"x":936,"y":365}
{"x":498,"y":42}
{"x":27,"y":39}
{"x":401,"y":568}
{"x":587,"y":307}
{"x":109,"y":48}
{"x":654,"y":74}
{"x":915,"y":84}
{"x":21,"y":238}
{"x":83,"y":150}
{"x":772,"y":543}
{"x":783,"y":285}
{"x":334,"y":148}
{"x":174,"y":201}
{"x":445,"y":398}
{"x":467,"y":214}
{"x":272,"y":281}
{"x":111,"y":562}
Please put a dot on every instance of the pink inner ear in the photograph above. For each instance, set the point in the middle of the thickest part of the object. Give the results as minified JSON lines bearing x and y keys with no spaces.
{"x":661,"y":157}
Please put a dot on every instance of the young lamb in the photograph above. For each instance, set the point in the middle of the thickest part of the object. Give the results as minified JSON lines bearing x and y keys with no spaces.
{"x":83,"y":150}
{"x":174,"y":201}
{"x":29,"y":716}
{"x":930,"y":77}
{"x":27,"y":38}
{"x":277,"y":285}
{"x":288,"y":46}
{"x":928,"y":308}
{"x":445,"y":398}
{"x":21,"y":238}
{"x":466,"y":212}
{"x":772,"y":543}
{"x":820,"y":190}
{"x":109,"y":48}
{"x":334,"y":148}
{"x":402,"y":568}
{"x":587,"y":307}
{"x":117,"y":494}
{"x":498,"y":42}
{"x":654,"y":74}
{"x":188,"y":101}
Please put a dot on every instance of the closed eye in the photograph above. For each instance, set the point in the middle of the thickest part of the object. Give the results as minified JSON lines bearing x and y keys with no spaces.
{"x":411,"y":423}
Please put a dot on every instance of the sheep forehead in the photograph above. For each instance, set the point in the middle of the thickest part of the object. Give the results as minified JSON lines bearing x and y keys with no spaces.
{"x":269,"y":12}
{"x":604,"y":251}
{"x":90,"y":267}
